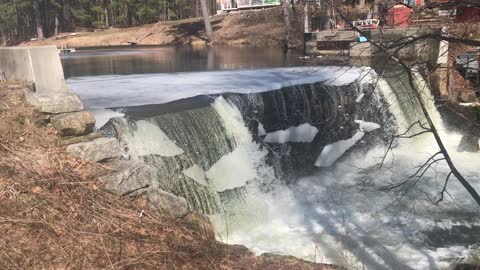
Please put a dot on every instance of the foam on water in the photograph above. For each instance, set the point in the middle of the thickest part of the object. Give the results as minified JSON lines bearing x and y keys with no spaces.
{"x":345,"y":215}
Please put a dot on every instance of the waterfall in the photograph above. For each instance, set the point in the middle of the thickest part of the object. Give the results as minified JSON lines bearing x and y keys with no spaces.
{"x":295,"y":169}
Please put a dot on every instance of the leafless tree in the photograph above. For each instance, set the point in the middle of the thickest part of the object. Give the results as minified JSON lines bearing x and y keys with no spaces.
{"x":206,"y":20}
{"x":390,"y":51}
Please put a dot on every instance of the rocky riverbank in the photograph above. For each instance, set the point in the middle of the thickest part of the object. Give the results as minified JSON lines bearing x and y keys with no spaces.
{"x":56,"y":214}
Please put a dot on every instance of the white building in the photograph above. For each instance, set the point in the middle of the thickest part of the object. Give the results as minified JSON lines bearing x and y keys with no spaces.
{"x":229,"y":5}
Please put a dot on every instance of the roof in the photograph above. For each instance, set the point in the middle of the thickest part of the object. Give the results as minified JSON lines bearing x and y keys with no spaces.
{"x":452,"y":3}
{"x":400,"y":3}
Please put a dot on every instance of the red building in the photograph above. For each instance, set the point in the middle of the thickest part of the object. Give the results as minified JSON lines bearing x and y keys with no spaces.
{"x":465,"y":10}
{"x":468,"y":14}
{"x":399,"y":15}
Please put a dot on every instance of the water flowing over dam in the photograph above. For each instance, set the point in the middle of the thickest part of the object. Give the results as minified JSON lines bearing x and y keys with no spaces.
{"x":293,"y":160}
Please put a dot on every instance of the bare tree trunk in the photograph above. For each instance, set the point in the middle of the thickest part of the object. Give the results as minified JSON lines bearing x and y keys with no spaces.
{"x":107,"y":20}
{"x":40,"y":34}
{"x":57,"y":25}
{"x":288,"y":22}
{"x":376,"y":4}
{"x":306,"y":19}
{"x":206,"y":20}
{"x":38,"y":18}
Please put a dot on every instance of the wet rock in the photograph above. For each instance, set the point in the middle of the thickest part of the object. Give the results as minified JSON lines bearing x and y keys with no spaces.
{"x":96,"y":150}
{"x":74,"y":124}
{"x":129,"y":178}
{"x":469,"y":143}
{"x":55,"y":103}
{"x":465,"y":266}
{"x":86,"y":138}
{"x":167,"y":204}
{"x":201,"y":224}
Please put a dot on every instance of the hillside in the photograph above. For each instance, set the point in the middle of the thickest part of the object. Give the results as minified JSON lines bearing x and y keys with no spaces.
{"x":262,"y":28}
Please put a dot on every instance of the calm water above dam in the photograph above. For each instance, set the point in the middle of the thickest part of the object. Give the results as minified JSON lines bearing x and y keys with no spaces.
{"x":140,"y":60}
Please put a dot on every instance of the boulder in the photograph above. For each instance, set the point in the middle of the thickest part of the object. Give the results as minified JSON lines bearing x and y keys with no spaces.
{"x":74,"y":124}
{"x":96,"y":150}
{"x":55,"y":103}
{"x":201,"y":224}
{"x":167,"y":204}
{"x":467,"y":96}
{"x":466,"y":266}
{"x":128,"y":177}
{"x":72,"y":140}
{"x":469,"y":143}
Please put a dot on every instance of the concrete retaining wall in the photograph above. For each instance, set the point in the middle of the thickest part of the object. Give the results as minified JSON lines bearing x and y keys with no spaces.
{"x":424,"y":50}
{"x":39,"y":65}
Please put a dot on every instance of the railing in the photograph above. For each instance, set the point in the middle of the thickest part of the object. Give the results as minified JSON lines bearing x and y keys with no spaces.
{"x":237,"y":4}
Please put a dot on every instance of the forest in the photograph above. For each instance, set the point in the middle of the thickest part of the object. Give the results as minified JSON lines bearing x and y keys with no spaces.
{"x":23,"y":19}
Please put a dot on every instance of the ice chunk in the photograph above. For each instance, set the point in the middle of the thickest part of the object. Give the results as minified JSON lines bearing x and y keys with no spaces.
{"x":332,"y":152}
{"x":102,"y":116}
{"x":367,"y":126}
{"x":359,"y":98}
{"x":147,"y":138}
{"x":261,"y":130}
{"x":302,"y":133}
{"x":196,"y":173}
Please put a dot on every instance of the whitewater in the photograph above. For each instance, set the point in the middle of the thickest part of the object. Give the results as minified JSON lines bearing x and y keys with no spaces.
{"x":342,"y":213}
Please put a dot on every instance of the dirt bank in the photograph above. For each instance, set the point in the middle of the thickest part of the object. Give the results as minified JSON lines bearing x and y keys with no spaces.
{"x":55,"y":214}
{"x":261,"y":28}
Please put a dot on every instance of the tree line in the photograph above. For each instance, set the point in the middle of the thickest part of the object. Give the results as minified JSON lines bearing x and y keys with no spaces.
{"x":24,"y":19}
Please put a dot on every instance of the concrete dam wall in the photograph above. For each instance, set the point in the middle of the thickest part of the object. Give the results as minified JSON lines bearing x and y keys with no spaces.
{"x":39,"y":65}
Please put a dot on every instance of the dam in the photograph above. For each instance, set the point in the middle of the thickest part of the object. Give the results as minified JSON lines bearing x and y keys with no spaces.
{"x":285,"y":157}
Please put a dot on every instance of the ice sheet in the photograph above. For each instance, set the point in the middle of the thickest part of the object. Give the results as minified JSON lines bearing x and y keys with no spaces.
{"x":99,"y":92}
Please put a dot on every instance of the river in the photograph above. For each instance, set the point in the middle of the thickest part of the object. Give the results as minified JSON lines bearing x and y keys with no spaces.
{"x":285,"y":157}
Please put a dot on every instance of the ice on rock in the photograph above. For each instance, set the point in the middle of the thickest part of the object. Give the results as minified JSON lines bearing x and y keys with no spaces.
{"x":359,"y":98}
{"x":261,"y":130}
{"x":302,"y":133}
{"x":333,"y":151}
{"x":367,"y":126}
{"x":102,"y":116}
{"x":147,"y":138}
{"x":196,"y":173}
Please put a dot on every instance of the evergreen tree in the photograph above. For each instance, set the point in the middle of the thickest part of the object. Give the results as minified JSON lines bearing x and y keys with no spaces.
{"x":25,"y":19}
